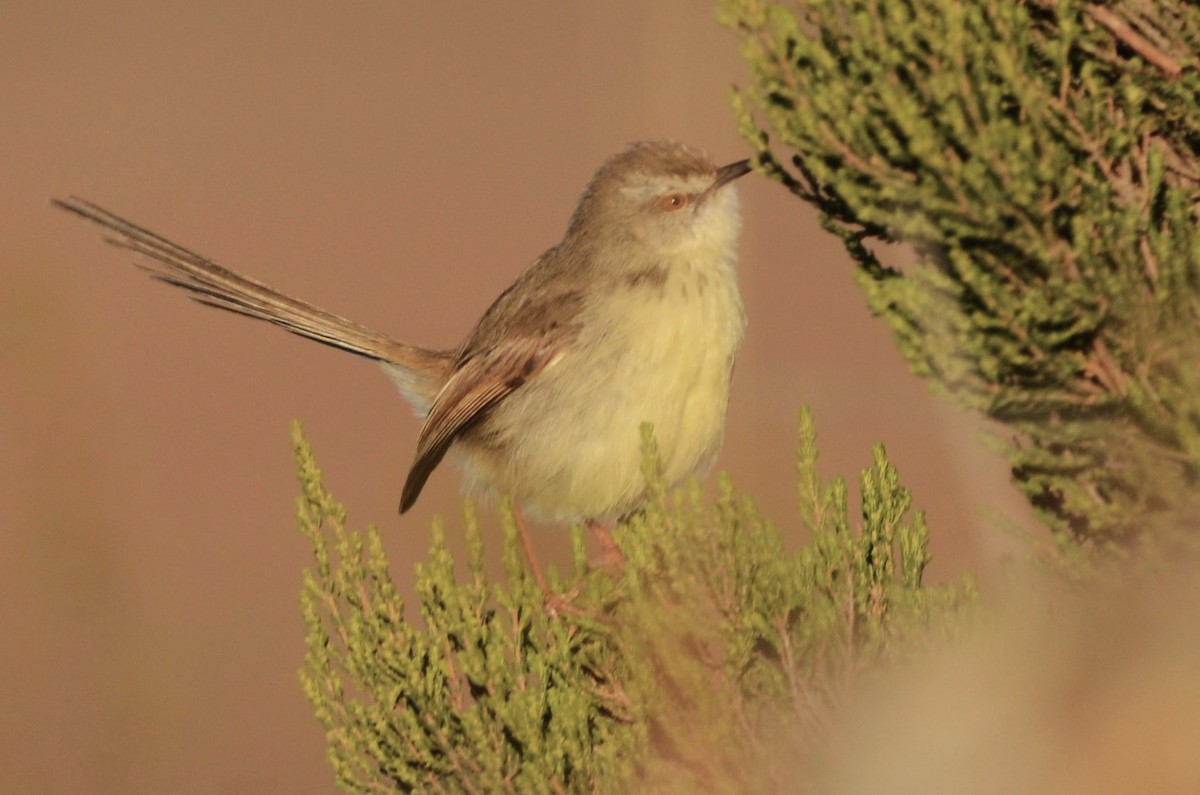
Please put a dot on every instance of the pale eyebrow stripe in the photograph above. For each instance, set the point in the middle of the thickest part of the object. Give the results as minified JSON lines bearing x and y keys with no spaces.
{"x":654,"y":186}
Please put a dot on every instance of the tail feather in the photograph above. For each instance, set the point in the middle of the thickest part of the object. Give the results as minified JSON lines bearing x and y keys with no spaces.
{"x":216,"y":286}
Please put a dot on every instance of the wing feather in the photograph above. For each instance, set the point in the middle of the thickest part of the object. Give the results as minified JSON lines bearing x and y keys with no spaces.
{"x":480,"y":383}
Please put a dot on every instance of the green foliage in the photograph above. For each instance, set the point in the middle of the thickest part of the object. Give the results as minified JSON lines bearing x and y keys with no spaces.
{"x":491,"y":694}
{"x":1043,"y":160}
{"x":709,"y":663}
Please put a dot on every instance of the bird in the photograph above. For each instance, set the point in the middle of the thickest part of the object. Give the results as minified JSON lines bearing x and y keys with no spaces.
{"x":634,"y":317}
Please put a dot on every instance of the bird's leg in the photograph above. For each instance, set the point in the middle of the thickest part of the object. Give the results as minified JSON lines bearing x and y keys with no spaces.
{"x":527,"y":546}
{"x":611,"y":559}
{"x":556,"y":604}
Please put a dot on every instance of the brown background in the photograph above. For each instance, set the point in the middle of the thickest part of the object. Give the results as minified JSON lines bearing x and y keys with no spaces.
{"x":394,"y":162}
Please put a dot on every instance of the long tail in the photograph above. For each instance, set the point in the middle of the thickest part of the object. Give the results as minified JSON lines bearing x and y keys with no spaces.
{"x":419,"y":372}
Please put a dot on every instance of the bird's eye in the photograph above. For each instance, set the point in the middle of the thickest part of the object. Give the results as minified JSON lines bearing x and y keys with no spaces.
{"x":673,"y":201}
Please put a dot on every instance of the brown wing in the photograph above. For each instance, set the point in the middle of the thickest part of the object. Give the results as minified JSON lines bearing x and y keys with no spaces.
{"x":481,"y":382}
{"x":518,"y":336}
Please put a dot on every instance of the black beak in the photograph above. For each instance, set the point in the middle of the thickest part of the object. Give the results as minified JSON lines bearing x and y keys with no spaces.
{"x":727,"y":174}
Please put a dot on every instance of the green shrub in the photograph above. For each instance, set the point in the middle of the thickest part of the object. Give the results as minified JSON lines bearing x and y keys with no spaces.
{"x":708,"y":663}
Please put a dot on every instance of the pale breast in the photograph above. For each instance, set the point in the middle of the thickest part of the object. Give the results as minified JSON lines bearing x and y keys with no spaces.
{"x":658,"y":348}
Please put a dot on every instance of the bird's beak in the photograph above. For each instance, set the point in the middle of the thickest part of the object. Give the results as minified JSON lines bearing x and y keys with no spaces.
{"x":727,"y":174}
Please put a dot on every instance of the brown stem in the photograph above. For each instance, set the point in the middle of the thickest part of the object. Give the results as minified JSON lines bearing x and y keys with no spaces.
{"x":1134,"y":40}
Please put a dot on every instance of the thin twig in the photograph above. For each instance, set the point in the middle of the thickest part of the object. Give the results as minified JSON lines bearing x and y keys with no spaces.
{"x":1134,"y":40}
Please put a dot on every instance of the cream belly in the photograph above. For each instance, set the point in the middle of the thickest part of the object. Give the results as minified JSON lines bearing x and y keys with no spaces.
{"x":665,"y":357}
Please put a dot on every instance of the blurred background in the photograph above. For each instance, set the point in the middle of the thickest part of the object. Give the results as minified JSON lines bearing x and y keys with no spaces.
{"x":397,"y":163}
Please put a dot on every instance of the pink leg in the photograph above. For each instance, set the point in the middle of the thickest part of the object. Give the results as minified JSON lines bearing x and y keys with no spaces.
{"x":610,"y":554}
{"x":527,"y":546}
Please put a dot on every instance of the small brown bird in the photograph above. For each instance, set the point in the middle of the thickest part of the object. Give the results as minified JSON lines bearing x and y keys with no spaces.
{"x":634,"y":317}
